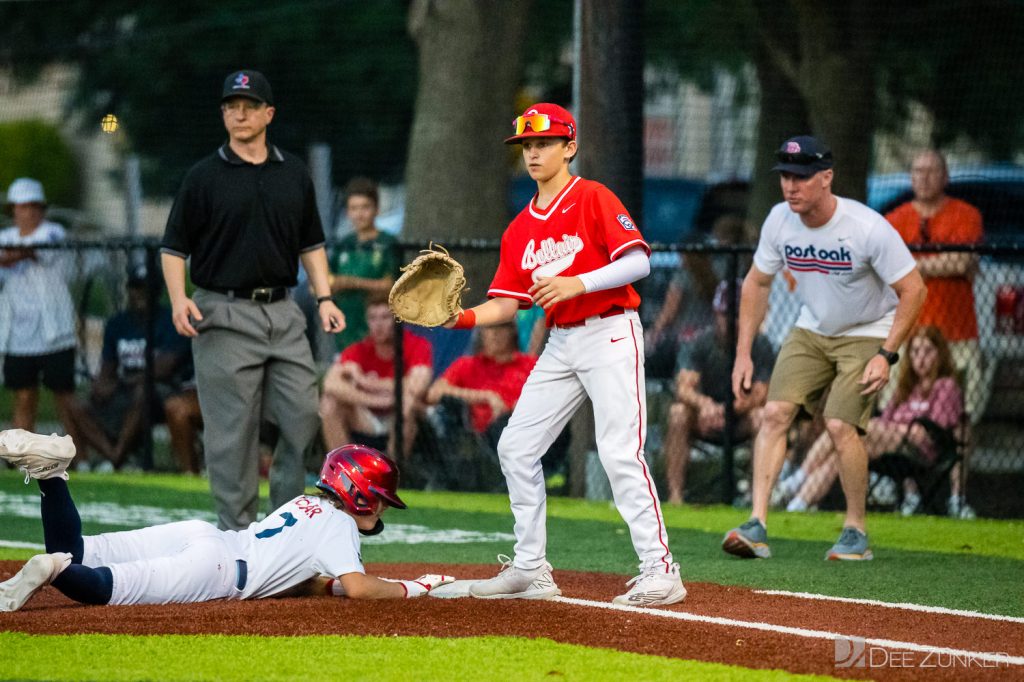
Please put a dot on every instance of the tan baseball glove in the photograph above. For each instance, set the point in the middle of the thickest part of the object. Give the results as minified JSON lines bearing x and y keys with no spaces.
{"x":430,"y":289}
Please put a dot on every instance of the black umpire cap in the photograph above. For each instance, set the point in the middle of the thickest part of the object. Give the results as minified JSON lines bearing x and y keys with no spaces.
{"x":248,"y":83}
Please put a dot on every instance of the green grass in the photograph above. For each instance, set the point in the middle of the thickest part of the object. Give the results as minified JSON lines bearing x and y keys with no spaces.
{"x":47,"y":408}
{"x":972,"y":565}
{"x":976,"y":565}
{"x":219,"y":657}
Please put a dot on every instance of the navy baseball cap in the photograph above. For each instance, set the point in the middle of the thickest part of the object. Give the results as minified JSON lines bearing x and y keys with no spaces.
{"x":804,"y":156}
{"x":248,"y":83}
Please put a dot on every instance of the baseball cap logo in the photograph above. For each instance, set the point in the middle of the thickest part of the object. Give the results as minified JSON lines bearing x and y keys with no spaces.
{"x":242,"y":81}
{"x":792,"y":147}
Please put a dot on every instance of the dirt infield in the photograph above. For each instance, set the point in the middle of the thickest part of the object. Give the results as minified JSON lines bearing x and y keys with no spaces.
{"x":590,"y":625}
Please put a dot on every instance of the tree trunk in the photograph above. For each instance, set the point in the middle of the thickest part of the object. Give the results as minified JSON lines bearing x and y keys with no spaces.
{"x":782,"y":116}
{"x":837,"y":78}
{"x":611,"y":106}
{"x":834,"y":70}
{"x":470,"y":63}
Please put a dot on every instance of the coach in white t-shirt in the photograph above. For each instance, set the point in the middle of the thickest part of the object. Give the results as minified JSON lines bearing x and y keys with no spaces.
{"x":860,"y":294}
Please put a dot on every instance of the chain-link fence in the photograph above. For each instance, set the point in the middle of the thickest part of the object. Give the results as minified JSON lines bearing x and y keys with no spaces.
{"x":454,"y":444}
{"x":986,"y":336}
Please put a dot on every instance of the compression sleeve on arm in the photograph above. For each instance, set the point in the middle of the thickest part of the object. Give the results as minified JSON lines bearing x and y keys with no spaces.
{"x":628,"y":268}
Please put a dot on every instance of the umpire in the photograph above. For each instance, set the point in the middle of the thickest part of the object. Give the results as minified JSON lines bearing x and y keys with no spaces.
{"x":245,"y":215}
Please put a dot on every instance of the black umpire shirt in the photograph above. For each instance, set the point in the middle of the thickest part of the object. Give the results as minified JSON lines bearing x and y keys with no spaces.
{"x":244,"y":225}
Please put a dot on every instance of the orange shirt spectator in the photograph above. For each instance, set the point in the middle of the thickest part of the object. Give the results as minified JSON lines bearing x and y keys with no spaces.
{"x":950,"y":302}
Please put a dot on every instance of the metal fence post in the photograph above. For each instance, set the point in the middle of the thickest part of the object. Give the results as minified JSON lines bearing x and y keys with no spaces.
{"x":399,"y":344}
{"x":728,"y":456}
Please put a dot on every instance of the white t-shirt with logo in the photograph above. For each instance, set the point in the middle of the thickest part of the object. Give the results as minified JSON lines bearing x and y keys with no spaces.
{"x":844,"y":269}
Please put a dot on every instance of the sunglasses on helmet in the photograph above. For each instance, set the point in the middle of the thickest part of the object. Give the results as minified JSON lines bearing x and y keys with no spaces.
{"x":538,"y":123}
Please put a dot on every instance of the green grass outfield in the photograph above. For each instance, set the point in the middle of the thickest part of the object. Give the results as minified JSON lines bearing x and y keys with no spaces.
{"x":976,"y":565}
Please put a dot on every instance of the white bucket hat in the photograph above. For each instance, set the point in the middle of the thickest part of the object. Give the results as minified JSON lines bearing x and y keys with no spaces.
{"x":26,"y":191}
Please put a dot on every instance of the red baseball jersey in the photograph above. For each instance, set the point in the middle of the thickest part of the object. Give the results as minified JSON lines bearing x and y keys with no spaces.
{"x":416,"y":350}
{"x":479,"y":372}
{"x":586,"y":227}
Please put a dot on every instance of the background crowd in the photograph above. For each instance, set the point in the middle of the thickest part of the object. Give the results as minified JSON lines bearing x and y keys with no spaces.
{"x":457,"y":390}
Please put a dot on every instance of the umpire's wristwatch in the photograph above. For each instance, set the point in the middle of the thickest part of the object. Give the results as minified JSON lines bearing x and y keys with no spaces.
{"x":890,"y":357}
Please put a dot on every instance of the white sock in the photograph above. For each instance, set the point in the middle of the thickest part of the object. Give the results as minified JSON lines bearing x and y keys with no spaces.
{"x":796,"y":505}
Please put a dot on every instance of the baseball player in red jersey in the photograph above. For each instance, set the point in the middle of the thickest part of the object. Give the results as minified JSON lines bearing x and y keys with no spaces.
{"x":574,"y":250}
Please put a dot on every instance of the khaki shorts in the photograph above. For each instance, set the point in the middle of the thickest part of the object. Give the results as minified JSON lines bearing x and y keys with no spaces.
{"x":808,"y":363}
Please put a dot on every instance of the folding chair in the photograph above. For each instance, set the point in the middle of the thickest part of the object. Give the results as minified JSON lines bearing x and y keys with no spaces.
{"x":931,"y":478}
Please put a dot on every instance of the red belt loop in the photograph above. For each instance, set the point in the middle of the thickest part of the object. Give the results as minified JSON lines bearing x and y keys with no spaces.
{"x":611,"y":312}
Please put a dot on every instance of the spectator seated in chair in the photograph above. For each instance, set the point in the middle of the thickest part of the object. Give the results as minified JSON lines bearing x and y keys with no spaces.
{"x":489,"y":381}
{"x":359,"y":388}
{"x":702,"y":388}
{"x":111,"y":420}
{"x":927,"y":398}
{"x":477,"y":393}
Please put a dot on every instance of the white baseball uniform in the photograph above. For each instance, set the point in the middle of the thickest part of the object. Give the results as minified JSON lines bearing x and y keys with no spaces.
{"x":595,"y":350}
{"x":193,"y":561}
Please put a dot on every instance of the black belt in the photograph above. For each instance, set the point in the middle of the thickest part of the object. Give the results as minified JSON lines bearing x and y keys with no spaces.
{"x":259,"y":294}
{"x":241,"y":574}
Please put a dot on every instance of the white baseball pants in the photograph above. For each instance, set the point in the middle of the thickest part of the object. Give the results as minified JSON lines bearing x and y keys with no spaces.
{"x":183,"y":562}
{"x":602,"y":360}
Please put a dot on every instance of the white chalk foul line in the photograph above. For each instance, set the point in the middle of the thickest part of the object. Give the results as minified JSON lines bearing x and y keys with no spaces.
{"x":21,"y":545}
{"x":895,"y":605}
{"x":800,"y":632}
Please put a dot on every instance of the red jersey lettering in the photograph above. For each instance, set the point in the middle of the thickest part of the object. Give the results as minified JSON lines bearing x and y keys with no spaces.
{"x":584,"y":228}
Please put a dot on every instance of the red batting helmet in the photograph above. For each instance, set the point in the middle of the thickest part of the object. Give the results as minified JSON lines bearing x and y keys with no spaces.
{"x":359,"y":476}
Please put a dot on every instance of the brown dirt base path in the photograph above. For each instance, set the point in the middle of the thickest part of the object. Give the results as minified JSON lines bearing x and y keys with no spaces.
{"x":50,"y":612}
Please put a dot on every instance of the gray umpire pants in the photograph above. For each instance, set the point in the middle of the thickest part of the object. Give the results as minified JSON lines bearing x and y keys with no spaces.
{"x":253,"y":361}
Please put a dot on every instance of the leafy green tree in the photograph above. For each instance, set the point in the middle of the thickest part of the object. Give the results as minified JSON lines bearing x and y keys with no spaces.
{"x":343,"y":73}
{"x":35,"y":149}
{"x":844,"y":69}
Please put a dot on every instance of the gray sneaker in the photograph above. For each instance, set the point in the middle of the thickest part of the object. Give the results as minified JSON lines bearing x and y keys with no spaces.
{"x":749,"y":541}
{"x":37,"y":455}
{"x":39,"y":571}
{"x":852,"y":545}
{"x":517,"y":583}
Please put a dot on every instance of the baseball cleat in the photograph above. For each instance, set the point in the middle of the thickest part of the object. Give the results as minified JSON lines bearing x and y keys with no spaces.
{"x":37,"y":455}
{"x":654,"y":587}
{"x":517,"y":583}
{"x":852,"y":545}
{"x":749,"y":541}
{"x":40,"y":570}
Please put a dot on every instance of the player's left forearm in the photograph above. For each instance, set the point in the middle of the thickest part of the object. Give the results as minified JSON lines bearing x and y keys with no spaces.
{"x":315,"y":263}
{"x":911,"y":292}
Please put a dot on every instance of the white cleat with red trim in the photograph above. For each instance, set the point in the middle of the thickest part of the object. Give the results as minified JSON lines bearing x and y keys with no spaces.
{"x":654,"y":587}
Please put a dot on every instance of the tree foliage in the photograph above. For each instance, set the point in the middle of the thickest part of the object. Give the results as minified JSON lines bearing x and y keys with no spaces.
{"x":35,"y":149}
{"x":343,"y":73}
